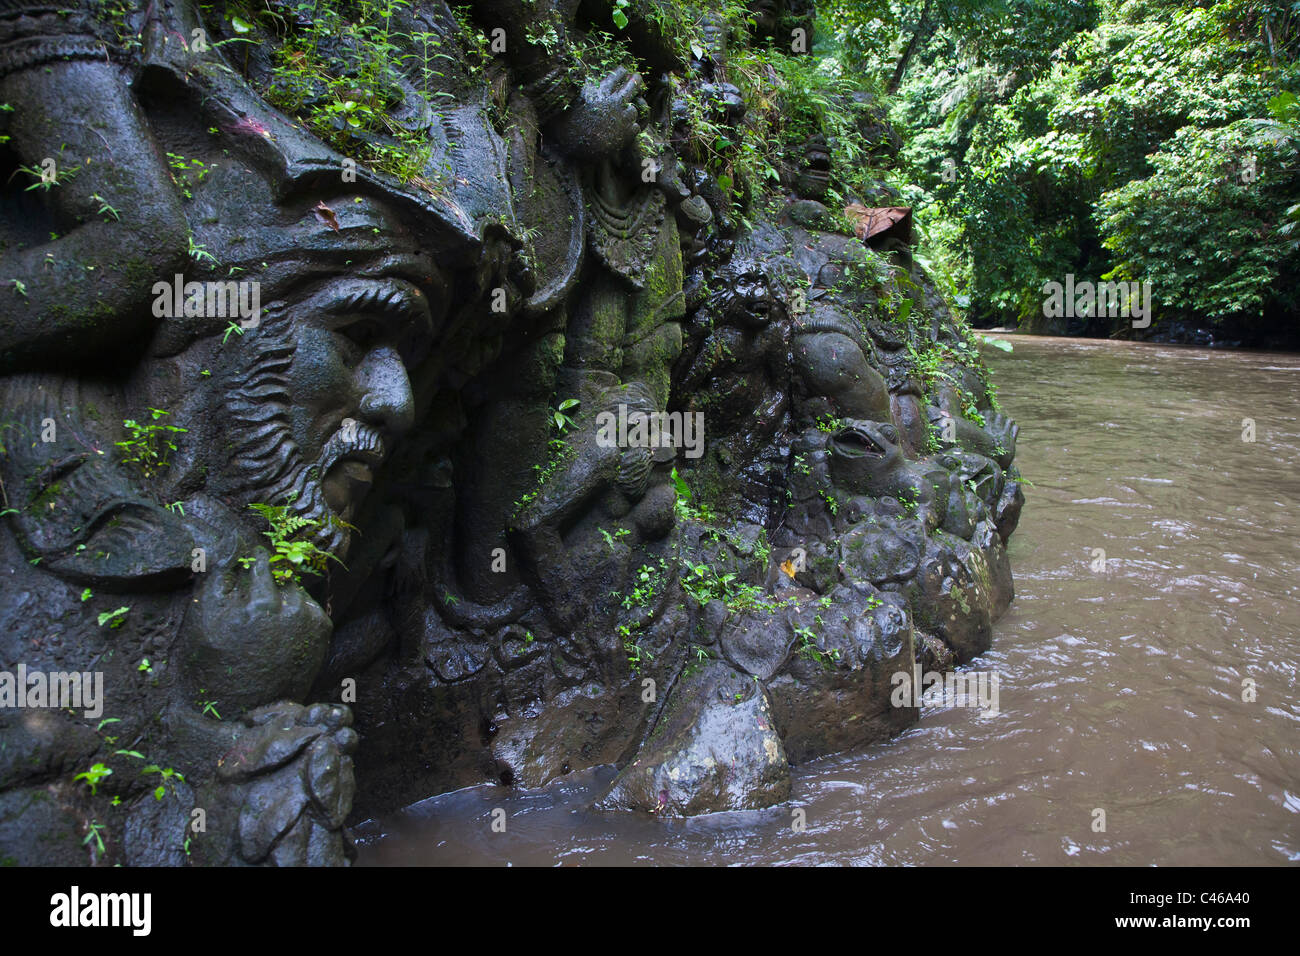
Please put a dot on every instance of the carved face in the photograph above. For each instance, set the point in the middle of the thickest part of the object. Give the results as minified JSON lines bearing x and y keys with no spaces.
{"x":348,"y":379}
{"x":815,"y":174}
{"x":747,"y":289}
{"x":864,"y":456}
{"x":320,"y":392}
{"x":751,"y":298}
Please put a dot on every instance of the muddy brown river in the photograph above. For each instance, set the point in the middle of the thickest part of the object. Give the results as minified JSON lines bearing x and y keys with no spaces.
{"x":1147,"y":669}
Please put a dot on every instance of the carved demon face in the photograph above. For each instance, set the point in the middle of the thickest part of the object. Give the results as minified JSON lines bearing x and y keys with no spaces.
{"x":749,"y":292}
{"x":751,"y":299}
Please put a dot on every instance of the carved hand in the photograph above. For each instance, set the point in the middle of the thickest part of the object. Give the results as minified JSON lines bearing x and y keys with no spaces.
{"x":249,"y":641}
{"x":604,"y":121}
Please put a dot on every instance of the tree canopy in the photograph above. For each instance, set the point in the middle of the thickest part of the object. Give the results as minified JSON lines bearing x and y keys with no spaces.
{"x":1138,"y":140}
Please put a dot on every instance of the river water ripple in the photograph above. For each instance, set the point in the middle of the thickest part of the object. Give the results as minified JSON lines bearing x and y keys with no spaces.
{"x":1121,"y":689}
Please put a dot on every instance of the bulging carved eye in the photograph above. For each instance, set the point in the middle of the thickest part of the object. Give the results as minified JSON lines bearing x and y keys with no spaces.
{"x":891,"y":433}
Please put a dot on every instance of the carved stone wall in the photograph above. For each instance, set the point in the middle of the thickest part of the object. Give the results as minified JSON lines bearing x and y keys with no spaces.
{"x":331,"y":345}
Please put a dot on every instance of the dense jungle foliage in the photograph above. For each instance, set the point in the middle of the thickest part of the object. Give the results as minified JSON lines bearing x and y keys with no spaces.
{"x":1148,"y":140}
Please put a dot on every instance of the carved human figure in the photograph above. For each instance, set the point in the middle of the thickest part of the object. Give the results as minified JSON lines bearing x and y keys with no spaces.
{"x":292,"y":406}
{"x":738,"y":341}
{"x":735,"y":371}
{"x":623,"y":329}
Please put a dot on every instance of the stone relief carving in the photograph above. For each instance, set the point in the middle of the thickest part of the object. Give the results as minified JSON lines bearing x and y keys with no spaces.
{"x":354,"y":537}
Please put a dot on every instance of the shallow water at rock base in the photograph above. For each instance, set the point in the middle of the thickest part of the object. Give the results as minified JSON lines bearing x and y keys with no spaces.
{"x":1146,"y":671}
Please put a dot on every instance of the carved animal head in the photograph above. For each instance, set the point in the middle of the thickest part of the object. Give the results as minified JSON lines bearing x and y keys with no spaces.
{"x":865,"y":457}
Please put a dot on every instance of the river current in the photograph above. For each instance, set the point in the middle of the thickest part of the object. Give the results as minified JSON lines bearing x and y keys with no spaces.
{"x":1147,"y":668}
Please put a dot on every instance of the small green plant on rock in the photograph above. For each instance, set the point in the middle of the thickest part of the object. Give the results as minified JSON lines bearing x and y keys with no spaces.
{"x":167,"y":776}
{"x":611,"y":538}
{"x":94,"y":830}
{"x":636,"y":654}
{"x":104,"y":208}
{"x":705,"y":584}
{"x":909,"y":504}
{"x":114,"y":619}
{"x":686,"y":507}
{"x":292,"y":552}
{"x":808,"y":648}
{"x":93,"y":776}
{"x":649,"y":582}
{"x":561,"y":416}
{"x":45,"y":181}
{"x":762,"y":549}
{"x":149,"y":446}
{"x":207,"y":707}
{"x":186,"y":173}
{"x":198,"y":253}
{"x":560,"y":452}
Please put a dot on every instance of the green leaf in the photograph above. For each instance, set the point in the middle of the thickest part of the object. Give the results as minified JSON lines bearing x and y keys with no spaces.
{"x":117,"y":617}
{"x":683,"y":489}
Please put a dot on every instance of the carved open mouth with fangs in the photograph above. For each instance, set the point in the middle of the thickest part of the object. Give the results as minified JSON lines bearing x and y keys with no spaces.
{"x":856,"y":441}
{"x":754,"y":292}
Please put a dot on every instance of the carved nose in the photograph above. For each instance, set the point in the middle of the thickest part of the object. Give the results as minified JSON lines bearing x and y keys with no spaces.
{"x":386,"y":398}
